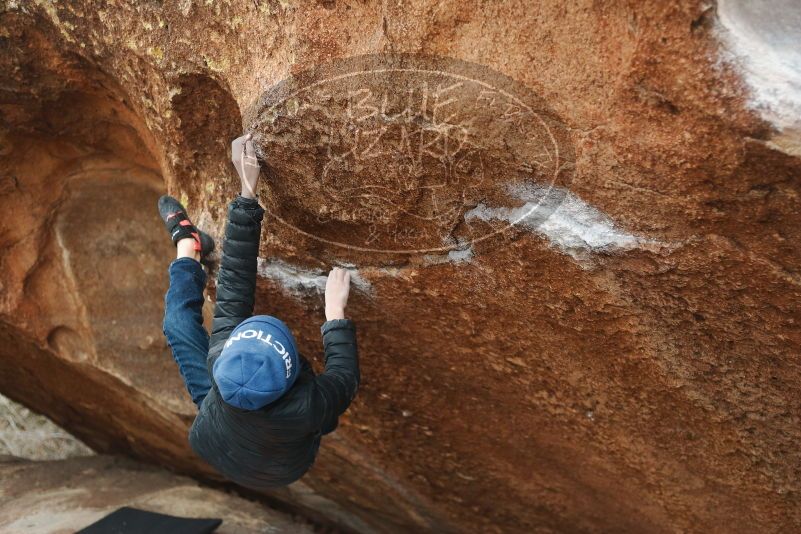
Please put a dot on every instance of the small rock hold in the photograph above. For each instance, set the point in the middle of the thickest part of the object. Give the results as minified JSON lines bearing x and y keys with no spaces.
{"x":147,"y":343}
{"x":517,"y":361}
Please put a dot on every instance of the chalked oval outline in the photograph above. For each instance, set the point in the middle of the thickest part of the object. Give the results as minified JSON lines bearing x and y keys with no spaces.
{"x":279,"y":95}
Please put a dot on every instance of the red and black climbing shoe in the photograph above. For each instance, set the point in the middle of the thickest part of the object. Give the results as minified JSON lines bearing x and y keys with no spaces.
{"x":180,"y":227}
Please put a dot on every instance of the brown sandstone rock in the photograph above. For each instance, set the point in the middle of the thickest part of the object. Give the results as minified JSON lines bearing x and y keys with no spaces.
{"x":578,"y":294}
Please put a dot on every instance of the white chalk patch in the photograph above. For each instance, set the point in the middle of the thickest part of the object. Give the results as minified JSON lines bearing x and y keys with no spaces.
{"x":563,"y":218}
{"x":299,"y":281}
{"x":464,"y":255}
{"x":764,"y":36}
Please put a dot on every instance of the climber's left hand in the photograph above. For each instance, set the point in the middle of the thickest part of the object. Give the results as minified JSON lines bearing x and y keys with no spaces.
{"x":243,"y":156}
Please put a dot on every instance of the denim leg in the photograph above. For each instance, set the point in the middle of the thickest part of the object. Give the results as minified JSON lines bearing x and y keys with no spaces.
{"x":183,"y":325}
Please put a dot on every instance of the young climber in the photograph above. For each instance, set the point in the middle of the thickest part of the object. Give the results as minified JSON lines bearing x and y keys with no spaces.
{"x":262,"y":410}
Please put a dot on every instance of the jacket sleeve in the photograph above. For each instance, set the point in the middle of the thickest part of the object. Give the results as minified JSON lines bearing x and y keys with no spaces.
{"x":336,"y":386}
{"x":236,"y":280}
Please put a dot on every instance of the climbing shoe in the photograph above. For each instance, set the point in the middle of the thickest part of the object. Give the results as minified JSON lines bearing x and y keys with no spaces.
{"x":180,"y":227}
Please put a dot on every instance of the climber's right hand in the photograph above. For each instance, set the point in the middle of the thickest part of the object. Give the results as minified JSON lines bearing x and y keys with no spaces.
{"x":243,"y":156}
{"x":337,"y":289}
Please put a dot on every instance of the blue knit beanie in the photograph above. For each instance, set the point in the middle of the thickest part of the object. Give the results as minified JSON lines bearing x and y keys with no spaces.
{"x":258,"y":363}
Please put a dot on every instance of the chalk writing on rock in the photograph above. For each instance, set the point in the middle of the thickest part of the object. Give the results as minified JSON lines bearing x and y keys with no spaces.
{"x":386,"y":153}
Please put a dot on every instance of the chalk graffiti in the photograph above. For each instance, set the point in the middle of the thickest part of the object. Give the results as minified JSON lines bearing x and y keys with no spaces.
{"x":392,"y":151}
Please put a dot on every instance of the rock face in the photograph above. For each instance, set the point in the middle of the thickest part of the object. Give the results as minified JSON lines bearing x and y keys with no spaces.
{"x":67,"y":495}
{"x":574,"y":231}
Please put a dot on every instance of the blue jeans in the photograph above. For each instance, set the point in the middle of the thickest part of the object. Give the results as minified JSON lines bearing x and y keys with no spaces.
{"x":183,"y":325}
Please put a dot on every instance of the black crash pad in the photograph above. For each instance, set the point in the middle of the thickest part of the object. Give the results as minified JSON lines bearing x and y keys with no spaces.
{"x":132,"y":521}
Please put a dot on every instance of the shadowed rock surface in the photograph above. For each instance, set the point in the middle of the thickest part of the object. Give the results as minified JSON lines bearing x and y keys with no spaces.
{"x":576,"y":241}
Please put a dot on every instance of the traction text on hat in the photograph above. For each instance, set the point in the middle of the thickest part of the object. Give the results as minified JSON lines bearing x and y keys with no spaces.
{"x":257,"y":334}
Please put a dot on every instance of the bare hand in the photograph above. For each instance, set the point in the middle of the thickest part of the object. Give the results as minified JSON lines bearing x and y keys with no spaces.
{"x":337,"y":289}
{"x":243,"y":156}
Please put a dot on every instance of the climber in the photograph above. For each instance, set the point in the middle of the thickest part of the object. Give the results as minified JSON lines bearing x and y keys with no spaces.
{"x":261,"y":408}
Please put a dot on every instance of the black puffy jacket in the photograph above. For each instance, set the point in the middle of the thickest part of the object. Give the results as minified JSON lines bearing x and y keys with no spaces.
{"x":277,"y":444}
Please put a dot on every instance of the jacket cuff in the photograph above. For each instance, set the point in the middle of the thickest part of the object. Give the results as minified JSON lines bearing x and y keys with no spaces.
{"x":337,"y":324}
{"x":247,"y":202}
{"x":243,"y":211}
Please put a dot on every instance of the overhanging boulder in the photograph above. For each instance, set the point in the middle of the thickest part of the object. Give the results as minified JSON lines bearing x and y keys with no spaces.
{"x":575,"y":244}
